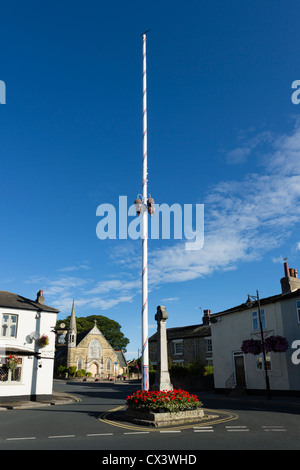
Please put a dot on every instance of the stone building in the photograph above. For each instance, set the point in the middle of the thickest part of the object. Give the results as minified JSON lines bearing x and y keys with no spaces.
{"x":186,"y":344}
{"x":89,"y":350}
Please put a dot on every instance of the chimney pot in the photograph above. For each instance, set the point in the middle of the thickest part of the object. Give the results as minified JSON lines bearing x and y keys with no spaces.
{"x":40,"y":298}
{"x":286,"y":269}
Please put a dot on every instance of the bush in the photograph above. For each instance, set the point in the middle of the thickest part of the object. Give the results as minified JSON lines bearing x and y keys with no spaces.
{"x":61,"y":370}
{"x":80,"y":373}
{"x":72,"y":370}
{"x":208,"y":370}
{"x":177,"y":370}
{"x":172,"y":401}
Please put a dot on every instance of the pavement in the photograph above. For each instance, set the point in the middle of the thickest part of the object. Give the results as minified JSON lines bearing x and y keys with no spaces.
{"x":58,"y":398}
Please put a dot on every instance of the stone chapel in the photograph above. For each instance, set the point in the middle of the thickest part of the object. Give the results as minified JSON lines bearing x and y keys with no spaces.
{"x":89,"y":350}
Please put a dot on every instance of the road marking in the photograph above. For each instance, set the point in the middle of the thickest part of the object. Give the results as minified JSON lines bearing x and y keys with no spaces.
{"x":165,"y":432}
{"x":58,"y":437}
{"x":203,"y":429}
{"x":221,"y":417}
{"x":101,"y":434}
{"x":137,"y":432}
{"x":19,"y":438}
{"x":236,"y":428}
{"x":273,"y":428}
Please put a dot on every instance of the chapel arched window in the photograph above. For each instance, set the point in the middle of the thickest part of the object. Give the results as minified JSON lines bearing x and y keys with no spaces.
{"x":95,"y":348}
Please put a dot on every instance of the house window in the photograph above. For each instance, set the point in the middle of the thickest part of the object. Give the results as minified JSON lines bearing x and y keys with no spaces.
{"x":255,"y":320}
{"x":208,"y":345}
{"x":9,"y":325}
{"x":178,"y":346}
{"x":108,"y":365}
{"x":8,"y":375}
{"x":298,"y":311}
{"x":260,"y":361}
{"x":79,"y":363}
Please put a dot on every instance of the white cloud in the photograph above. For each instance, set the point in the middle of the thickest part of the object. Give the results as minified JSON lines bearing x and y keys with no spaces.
{"x":74,"y":268}
{"x":243,"y":219}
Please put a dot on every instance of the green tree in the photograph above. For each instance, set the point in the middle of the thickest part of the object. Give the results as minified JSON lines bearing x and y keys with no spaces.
{"x":110,"y":329}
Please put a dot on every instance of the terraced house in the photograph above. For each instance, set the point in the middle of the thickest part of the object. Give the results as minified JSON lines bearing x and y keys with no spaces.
{"x":186,"y":344}
{"x":280,"y":317}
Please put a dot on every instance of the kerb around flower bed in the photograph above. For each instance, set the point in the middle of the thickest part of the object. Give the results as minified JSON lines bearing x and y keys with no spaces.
{"x":160,"y":408}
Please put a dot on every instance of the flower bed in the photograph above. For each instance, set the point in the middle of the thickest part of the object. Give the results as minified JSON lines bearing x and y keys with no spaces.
{"x":163,"y":408}
{"x":163,"y":401}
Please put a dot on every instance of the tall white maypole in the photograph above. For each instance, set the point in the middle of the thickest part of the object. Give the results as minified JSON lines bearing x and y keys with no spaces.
{"x":144,"y":206}
{"x":145,"y":351}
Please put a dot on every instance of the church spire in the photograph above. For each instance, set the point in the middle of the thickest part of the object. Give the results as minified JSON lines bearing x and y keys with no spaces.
{"x":72,"y":329}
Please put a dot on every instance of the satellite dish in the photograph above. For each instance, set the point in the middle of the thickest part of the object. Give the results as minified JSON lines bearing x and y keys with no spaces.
{"x":34,"y":335}
{"x":62,"y":325}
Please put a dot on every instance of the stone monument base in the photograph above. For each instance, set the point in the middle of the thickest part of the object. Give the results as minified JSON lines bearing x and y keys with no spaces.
{"x":149,"y":418}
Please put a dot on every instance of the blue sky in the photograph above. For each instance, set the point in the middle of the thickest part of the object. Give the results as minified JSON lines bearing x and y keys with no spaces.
{"x":222,"y":131}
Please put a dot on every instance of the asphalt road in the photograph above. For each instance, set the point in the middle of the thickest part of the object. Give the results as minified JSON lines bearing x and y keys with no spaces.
{"x":92,"y":423}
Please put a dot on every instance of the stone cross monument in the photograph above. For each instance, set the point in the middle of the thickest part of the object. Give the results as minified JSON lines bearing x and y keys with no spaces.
{"x":162,"y":378}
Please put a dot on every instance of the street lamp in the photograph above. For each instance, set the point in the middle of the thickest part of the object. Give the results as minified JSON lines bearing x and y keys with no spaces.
{"x":249,"y":304}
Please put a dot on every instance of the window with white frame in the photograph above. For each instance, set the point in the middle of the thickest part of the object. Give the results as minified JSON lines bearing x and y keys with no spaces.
{"x":9,"y":325}
{"x":178,"y":346}
{"x":255,"y":320}
{"x":208,"y":345}
{"x":298,"y":311}
{"x":10,"y":369}
{"x":260,"y":361}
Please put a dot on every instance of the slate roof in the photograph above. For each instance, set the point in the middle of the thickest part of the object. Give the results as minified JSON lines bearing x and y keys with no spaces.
{"x":263,"y":301}
{"x":10,"y":300}
{"x":181,"y":332}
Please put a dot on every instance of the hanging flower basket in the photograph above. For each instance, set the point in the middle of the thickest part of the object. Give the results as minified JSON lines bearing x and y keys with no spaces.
{"x":252,"y":346}
{"x":43,"y":341}
{"x":12,"y":362}
{"x":276,"y":344}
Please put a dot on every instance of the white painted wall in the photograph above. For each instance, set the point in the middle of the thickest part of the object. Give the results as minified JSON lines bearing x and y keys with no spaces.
{"x":35,"y":380}
{"x":232,"y":328}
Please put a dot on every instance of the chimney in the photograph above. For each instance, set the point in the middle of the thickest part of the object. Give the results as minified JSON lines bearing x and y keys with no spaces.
{"x":206,"y":317}
{"x":290,"y":281}
{"x":39,"y":297}
{"x":286,"y":269}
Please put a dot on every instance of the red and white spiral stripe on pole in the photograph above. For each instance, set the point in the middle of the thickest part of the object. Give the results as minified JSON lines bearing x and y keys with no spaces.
{"x":145,"y":351}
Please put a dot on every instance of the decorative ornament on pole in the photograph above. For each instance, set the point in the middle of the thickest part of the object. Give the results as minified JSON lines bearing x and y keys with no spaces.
{"x":138,"y":206}
{"x":150,"y":204}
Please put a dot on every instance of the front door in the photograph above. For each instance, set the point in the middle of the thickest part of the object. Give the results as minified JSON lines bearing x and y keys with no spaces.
{"x":239,"y":369}
{"x":94,"y":369}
